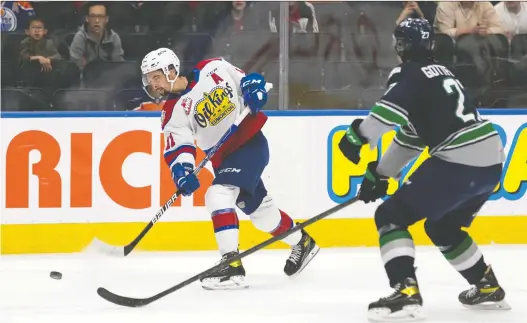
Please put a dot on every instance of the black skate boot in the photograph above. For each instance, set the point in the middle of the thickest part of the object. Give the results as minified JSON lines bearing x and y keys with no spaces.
{"x":301,"y":255}
{"x":486,"y":295}
{"x":403,"y":305}
{"x":230,"y":277}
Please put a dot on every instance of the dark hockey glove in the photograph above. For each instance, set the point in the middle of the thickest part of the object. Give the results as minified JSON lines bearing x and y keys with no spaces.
{"x":373,"y":185}
{"x":352,"y":142}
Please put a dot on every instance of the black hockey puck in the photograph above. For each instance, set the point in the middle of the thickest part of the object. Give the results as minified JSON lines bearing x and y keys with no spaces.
{"x":55,"y":275}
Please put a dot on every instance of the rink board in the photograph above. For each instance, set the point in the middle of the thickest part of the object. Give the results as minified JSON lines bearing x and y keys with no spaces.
{"x":70,"y":177}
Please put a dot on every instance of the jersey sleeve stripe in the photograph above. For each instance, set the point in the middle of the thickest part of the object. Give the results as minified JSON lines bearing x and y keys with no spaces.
{"x":394,"y":106}
{"x":171,"y":156}
{"x":410,"y":142}
{"x":381,"y":120}
{"x":400,"y":143}
{"x":388,"y":115}
{"x":409,"y":132}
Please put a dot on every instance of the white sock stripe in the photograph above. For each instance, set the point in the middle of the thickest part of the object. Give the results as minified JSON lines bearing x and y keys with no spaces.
{"x":467,"y":254}
{"x":469,"y":262}
{"x":398,"y":243}
{"x":398,"y":252}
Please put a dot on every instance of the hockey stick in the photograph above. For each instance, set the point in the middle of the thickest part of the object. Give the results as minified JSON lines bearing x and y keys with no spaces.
{"x":139,"y":302}
{"x":124,"y":251}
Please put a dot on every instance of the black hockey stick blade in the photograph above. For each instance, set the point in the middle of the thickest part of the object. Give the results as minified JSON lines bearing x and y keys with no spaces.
{"x":139,"y":302}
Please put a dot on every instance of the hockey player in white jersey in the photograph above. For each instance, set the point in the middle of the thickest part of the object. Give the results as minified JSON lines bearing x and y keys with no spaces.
{"x":201,"y":107}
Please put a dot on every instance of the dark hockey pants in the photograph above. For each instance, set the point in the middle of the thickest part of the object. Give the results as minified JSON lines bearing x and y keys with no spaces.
{"x":448,"y":196}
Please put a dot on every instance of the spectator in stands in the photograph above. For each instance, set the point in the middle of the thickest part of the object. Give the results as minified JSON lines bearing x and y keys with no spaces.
{"x":473,"y":25}
{"x":410,"y":10}
{"x":239,"y":18}
{"x":36,"y":47}
{"x":16,"y":15}
{"x":466,"y":17}
{"x":417,"y":9}
{"x":513,"y":15}
{"x":301,"y":16}
{"x":95,"y":41}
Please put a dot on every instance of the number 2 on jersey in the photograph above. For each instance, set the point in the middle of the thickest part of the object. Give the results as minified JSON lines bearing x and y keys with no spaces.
{"x":453,"y":87}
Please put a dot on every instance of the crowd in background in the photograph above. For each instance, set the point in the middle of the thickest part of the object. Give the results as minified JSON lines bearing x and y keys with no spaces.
{"x":80,"y":55}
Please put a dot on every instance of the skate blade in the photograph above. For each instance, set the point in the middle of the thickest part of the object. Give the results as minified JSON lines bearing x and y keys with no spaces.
{"x":489,"y":306}
{"x":409,"y":313}
{"x":308,"y":259}
{"x":234,"y":283}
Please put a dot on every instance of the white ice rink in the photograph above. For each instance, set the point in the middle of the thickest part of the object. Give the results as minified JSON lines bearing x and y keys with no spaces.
{"x":335,"y":288}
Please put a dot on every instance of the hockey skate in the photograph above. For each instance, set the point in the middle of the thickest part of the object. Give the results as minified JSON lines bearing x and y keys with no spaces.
{"x":230,"y":277}
{"x":485,"y":295}
{"x":403,"y":305}
{"x":301,"y":255}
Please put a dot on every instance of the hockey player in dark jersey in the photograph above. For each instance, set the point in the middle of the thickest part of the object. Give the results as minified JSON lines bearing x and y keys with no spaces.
{"x":428,"y":106}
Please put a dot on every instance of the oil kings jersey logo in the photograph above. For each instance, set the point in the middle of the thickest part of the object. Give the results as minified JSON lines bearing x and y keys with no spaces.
{"x":214,"y":106}
{"x":9,"y":21}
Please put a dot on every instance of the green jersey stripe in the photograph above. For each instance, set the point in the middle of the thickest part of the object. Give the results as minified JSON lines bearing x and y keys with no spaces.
{"x":412,"y":142}
{"x":473,"y":130}
{"x":381,"y":120}
{"x":471,"y":142}
{"x":389,"y":115}
{"x":473,"y":134}
{"x":394,"y":106}
{"x":409,"y":132}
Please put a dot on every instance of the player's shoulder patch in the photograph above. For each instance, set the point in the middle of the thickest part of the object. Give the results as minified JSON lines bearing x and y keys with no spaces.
{"x":186,"y":103}
{"x":168,"y":109}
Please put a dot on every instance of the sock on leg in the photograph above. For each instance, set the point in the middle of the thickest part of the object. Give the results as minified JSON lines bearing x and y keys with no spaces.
{"x":398,"y":254}
{"x":269,"y":218}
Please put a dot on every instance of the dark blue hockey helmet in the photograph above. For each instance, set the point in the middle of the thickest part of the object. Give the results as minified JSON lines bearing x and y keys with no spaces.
{"x":413,"y":39}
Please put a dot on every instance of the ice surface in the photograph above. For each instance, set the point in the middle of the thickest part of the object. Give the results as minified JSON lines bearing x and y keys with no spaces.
{"x":335,"y":288}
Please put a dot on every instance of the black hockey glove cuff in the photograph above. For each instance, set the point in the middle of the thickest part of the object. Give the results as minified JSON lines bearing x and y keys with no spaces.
{"x":352,"y":142}
{"x":374,"y":186}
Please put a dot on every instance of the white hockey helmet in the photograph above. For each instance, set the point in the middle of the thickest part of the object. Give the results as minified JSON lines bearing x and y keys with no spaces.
{"x":160,"y":59}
